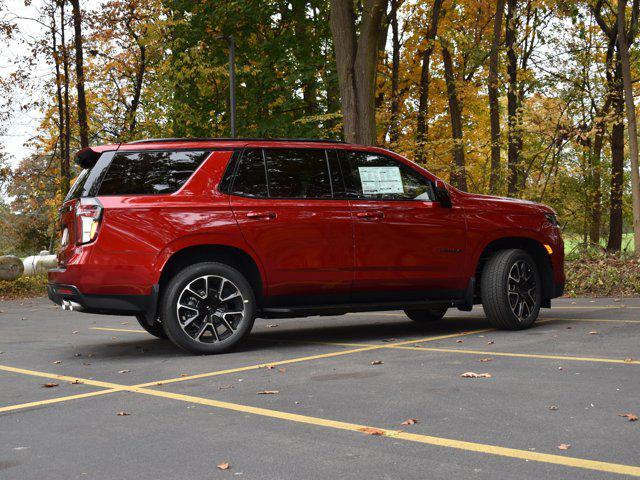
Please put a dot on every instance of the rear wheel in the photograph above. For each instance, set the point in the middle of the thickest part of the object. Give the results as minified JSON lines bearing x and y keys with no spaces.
{"x":156,"y":329}
{"x":208,"y":308}
{"x":426,"y":314}
{"x":511,"y":290}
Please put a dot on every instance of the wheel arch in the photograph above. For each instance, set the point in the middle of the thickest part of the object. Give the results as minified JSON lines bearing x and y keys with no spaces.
{"x":533,"y":247}
{"x":229,"y":255}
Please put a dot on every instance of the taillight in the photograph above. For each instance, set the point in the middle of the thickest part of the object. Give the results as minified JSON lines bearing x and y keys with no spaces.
{"x":88,"y":216}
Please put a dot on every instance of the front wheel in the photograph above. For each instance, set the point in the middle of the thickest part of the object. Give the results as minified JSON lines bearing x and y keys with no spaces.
{"x":511,"y":290}
{"x":208,"y":308}
{"x":426,"y":315}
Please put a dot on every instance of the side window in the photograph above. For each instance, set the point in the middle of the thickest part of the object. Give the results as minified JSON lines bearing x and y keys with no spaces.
{"x":376,"y":177}
{"x":250,"y":179}
{"x":135,"y":173}
{"x":298,"y":173}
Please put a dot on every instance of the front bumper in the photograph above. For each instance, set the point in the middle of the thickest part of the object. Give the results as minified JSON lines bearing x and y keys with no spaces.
{"x":103,"y":304}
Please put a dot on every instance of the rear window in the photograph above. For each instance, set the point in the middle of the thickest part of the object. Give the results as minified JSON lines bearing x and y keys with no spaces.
{"x":78,"y":186}
{"x":139,"y":173}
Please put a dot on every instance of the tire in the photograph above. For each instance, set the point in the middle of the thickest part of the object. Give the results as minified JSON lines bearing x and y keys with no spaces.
{"x":198,"y":304}
{"x":427,"y":315}
{"x":156,"y":329}
{"x":510,"y":303}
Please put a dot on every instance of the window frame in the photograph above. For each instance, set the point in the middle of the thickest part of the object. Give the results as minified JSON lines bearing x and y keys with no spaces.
{"x":401,"y":165}
{"x":330,"y":172}
{"x":98,"y":185}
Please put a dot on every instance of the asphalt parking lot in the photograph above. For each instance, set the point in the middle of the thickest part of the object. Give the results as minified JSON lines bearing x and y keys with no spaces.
{"x":323,"y":397}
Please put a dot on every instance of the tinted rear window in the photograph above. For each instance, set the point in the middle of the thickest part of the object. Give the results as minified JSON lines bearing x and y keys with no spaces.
{"x":136,"y":173}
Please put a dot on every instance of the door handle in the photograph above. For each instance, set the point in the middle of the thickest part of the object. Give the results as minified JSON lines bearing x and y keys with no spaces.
{"x":370,"y":215}
{"x":261,"y":215}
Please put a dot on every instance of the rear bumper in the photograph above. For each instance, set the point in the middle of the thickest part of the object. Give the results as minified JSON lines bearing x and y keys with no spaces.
{"x":103,"y":304}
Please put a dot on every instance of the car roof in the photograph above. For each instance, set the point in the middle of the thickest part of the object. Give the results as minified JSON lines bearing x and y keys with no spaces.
{"x":87,"y":156}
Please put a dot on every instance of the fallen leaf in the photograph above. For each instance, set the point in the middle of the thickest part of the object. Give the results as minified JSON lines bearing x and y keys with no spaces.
{"x":49,"y":385}
{"x":123,"y":414}
{"x":552,"y":407}
{"x":268,"y":392}
{"x":628,"y":360}
{"x":564,"y":446}
{"x":183,"y":374}
{"x":475,"y":375}
{"x":631,"y":416}
{"x":410,"y":421}
{"x":124,"y":371}
{"x":282,"y":370}
{"x":371,"y":431}
{"x":224,"y":466}
{"x":377,"y":362}
{"x":272,"y":325}
{"x":486,"y":359}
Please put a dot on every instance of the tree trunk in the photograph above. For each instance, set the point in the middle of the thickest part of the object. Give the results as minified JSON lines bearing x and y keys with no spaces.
{"x":631,"y":120}
{"x":458,"y":172}
{"x":82,"y":101}
{"x":513,"y":152}
{"x":494,"y":103}
{"x":596,"y":184}
{"x":356,"y":60}
{"x":67,"y":114}
{"x":65,"y":176}
{"x":614,"y":243}
{"x":394,"y":127}
{"x":423,"y":106}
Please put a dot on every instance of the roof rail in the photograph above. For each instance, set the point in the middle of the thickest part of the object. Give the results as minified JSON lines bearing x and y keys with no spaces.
{"x":167,"y":140}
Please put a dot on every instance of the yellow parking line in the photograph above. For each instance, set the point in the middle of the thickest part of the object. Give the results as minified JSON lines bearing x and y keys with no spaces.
{"x":595,"y":307}
{"x":56,"y":400}
{"x":56,"y":376}
{"x":596,"y":320}
{"x":128,"y":330}
{"x":396,"y":434}
{"x":521,"y":355}
{"x":362,"y":348}
{"x":412,"y":437}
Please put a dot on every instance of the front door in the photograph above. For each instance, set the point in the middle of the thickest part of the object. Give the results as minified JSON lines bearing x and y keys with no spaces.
{"x":408,"y":246}
{"x":284,"y":202}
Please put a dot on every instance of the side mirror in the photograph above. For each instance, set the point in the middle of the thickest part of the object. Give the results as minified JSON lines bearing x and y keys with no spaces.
{"x":442,"y":194}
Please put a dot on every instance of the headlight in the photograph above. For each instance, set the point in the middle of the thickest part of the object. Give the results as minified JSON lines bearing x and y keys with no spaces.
{"x":551,"y":218}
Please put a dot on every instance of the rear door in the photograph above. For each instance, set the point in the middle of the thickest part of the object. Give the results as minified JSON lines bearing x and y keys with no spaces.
{"x":291,"y":209}
{"x":408,"y":246}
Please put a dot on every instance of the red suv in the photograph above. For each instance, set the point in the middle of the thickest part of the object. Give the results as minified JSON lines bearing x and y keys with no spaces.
{"x":198,"y":237}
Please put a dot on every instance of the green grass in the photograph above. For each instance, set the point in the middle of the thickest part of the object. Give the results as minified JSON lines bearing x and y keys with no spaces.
{"x":572,"y":244}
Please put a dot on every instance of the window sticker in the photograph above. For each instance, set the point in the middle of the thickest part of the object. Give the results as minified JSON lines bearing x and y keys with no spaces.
{"x":380,"y":180}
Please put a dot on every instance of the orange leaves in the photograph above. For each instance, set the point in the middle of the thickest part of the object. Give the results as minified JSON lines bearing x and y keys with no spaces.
{"x":632,"y":417}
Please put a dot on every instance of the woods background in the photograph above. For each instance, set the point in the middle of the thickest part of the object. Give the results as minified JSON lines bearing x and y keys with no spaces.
{"x":524,"y":98}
